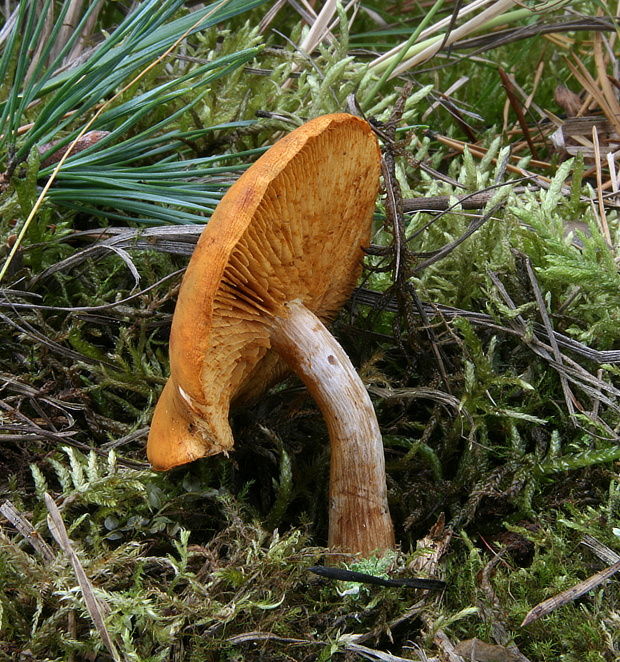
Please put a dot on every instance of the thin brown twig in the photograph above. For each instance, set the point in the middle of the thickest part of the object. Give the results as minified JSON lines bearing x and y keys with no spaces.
{"x":570,"y":595}
{"x":406,"y":294}
{"x":507,"y":36}
{"x":475,"y":224}
{"x":476,"y":200}
{"x":480,"y":152}
{"x":602,"y":216}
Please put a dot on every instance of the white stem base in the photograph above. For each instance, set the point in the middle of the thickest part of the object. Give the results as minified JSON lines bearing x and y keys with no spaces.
{"x":359,"y":519}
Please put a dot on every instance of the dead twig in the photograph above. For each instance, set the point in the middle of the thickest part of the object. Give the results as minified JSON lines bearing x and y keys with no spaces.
{"x":477,"y":200}
{"x":570,"y":595}
{"x":403,"y":289}
{"x":367,"y":297}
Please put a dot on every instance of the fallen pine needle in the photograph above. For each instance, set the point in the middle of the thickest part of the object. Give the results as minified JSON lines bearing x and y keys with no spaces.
{"x":58,"y":530}
{"x":547,"y":606}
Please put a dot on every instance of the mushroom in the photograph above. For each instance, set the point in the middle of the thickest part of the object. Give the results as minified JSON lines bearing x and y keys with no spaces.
{"x":280,"y":255}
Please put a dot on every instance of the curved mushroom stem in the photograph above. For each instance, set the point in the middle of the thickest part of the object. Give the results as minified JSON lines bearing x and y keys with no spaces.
{"x":359,"y":519}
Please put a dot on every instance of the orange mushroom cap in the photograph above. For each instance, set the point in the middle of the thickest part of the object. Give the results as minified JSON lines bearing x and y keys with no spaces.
{"x":290,"y":229}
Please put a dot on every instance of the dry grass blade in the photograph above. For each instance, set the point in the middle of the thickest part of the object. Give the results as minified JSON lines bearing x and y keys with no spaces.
{"x":370,"y":653}
{"x":573,"y":593}
{"x":68,"y":27}
{"x":602,"y":551}
{"x":589,"y":384}
{"x":574,"y":134}
{"x":90,"y":309}
{"x":173,"y":239}
{"x":36,"y":434}
{"x":605,"y":84}
{"x":542,"y":309}
{"x":464,"y":30}
{"x":58,"y":530}
{"x":320,"y":27}
{"x":85,"y":35}
{"x":602,"y":215}
{"x":370,"y":298}
{"x":265,"y":636}
{"x":27,"y":530}
{"x":399,"y":394}
{"x":320,"y":30}
{"x":476,"y":223}
{"x":41,"y":338}
{"x":569,"y":370}
{"x":27,"y":431}
{"x":476,"y":200}
{"x":10,"y":19}
{"x":433,"y":29}
{"x":49,"y":22}
{"x":18,"y":428}
{"x":270,"y":15}
{"x":565,"y":24}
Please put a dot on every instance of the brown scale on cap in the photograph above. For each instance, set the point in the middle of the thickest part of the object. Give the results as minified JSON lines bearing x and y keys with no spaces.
{"x":280,"y":256}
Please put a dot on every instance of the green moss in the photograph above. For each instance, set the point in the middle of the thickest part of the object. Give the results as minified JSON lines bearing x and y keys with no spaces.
{"x":209,"y":562}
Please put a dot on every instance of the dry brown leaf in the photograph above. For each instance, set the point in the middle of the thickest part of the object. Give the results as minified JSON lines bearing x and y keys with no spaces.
{"x":567,"y":100}
{"x":608,"y":104}
{"x":575,"y":135}
{"x":87,"y":140}
{"x":476,"y":649}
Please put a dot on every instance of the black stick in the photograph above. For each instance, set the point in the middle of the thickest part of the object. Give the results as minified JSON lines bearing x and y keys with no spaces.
{"x":351,"y":576}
